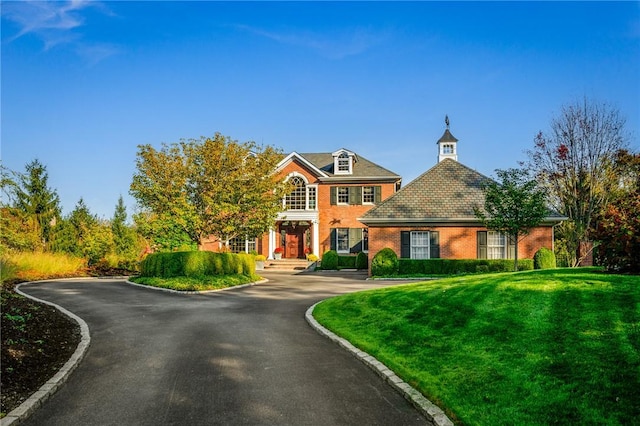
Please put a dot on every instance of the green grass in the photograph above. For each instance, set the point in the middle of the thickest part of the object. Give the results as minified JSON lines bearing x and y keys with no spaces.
{"x":557,"y":346}
{"x":204,"y":283}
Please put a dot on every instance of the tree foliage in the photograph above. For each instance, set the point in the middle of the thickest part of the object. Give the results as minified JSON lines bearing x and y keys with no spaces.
{"x":211,"y":187}
{"x":574,"y":163}
{"x":618,"y":229}
{"x":513,"y":205}
{"x":124,"y":236}
{"x":35,"y":199}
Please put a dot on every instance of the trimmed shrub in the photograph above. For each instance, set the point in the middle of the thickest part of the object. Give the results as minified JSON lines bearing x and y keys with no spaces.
{"x":196,"y":264}
{"x":459,"y":266}
{"x":362,"y":261}
{"x":348,"y":262}
{"x":544,"y":259}
{"x":385,"y":262}
{"x":330,"y":260}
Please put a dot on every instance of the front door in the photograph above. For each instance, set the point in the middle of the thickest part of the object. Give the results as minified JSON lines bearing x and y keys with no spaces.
{"x":293,"y":249}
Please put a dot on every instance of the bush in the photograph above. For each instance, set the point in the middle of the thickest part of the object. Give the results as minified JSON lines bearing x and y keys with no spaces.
{"x":362,"y":261}
{"x":544,"y":259}
{"x":458,"y":266}
{"x":385,"y":262}
{"x":196,"y":264}
{"x":330,"y":260}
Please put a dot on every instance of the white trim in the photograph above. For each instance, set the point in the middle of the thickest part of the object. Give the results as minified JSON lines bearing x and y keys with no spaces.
{"x":303,"y":160}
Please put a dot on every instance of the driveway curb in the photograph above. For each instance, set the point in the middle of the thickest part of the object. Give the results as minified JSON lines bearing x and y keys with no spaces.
{"x":25,"y":409}
{"x":432,"y":412}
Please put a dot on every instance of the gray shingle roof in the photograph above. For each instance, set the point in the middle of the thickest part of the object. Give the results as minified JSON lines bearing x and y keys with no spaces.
{"x":361,"y":168}
{"x":447,"y":191}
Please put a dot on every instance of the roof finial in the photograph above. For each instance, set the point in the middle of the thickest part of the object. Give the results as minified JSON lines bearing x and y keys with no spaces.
{"x":446,"y":120}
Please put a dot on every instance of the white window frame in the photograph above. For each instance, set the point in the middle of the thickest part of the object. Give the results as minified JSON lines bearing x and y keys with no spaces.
{"x":448,"y":149}
{"x":344,"y":237}
{"x":343,"y":164}
{"x":420,"y":249}
{"x":309,"y":197}
{"x":346,"y":194}
{"x":496,"y":245}
{"x":372,"y":195}
{"x":312,"y":197}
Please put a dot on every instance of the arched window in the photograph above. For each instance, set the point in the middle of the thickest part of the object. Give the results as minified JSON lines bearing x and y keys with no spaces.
{"x":297,"y":199}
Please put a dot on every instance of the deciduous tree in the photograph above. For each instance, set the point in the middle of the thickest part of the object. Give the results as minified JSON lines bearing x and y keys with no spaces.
{"x":618,"y":229}
{"x":513,"y":205}
{"x":211,"y":187}
{"x":574,"y":162}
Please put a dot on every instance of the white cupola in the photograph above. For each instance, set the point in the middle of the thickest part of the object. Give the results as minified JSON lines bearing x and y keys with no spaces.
{"x":447,"y":144}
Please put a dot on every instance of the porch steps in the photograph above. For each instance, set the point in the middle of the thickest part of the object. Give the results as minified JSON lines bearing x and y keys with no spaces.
{"x":286,"y":264}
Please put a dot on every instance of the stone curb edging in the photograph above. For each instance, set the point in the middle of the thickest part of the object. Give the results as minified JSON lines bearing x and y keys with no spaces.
{"x":170,"y":290}
{"x":428,"y":409}
{"x":25,"y":409}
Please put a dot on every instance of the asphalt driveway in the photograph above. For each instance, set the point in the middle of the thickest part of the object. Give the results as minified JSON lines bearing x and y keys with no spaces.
{"x":245,"y":356}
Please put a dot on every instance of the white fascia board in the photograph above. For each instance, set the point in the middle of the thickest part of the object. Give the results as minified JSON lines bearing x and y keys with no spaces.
{"x":303,"y":160}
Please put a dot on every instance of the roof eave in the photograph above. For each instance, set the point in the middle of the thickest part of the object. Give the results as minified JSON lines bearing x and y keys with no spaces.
{"x":432,"y":221}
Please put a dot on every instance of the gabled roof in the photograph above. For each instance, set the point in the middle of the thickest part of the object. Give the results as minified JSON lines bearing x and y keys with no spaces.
{"x":363,"y":168}
{"x":295,"y":156}
{"x":446,"y":193}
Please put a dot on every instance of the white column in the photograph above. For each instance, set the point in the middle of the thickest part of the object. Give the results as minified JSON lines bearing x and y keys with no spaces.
{"x":272,"y":243}
{"x":316,"y":237}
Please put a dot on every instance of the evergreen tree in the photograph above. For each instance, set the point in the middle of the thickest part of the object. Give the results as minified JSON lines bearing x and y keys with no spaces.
{"x":34,"y":197}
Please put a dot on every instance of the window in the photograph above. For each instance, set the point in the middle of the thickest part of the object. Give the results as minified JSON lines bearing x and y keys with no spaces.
{"x":342,"y":240}
{"x":311,"y":192}
{"x":365,"y":240}
{"x":343,"y":195}
{"x":368,"y":195}
{"x":349,"y":240}
{"x":343,"y":164}
{"x":242,"y":245}
{"x":303,"y":196}
{"x":496,"y":245}
{"x":447,"y":148}
{"x":419,"y":244}
{"x":297,"y":199}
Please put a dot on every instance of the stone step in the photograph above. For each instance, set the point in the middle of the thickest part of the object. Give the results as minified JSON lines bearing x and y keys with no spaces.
{"x":286,"y":264}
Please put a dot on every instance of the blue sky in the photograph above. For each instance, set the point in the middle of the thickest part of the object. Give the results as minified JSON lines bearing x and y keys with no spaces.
{"x":84,"y":83}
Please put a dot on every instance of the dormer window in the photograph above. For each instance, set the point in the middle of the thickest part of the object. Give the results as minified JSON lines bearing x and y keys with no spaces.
{"x":343,"y":162}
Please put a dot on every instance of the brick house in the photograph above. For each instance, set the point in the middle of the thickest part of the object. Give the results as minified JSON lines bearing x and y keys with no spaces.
{"x":433,"y":216}
{"x":331,"y":191}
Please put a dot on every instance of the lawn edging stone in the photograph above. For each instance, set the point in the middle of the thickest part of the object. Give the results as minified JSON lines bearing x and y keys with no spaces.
{"x":428,"y":409}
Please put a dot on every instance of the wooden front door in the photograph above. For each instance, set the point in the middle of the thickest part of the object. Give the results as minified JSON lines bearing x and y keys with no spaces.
{"x":294,"y":248}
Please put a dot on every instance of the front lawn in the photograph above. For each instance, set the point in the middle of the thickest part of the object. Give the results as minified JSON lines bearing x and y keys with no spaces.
{"x":538,"y":347}
{"x":213,"y":282}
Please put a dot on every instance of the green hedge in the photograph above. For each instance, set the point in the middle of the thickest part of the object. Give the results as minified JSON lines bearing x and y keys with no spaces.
{"x":196,"y":264}
{"x":331,"y":260}
{"x":459,"y":266}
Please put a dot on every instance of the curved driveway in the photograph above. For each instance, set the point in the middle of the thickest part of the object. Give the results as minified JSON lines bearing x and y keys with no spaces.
{"x":244,"y":356}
